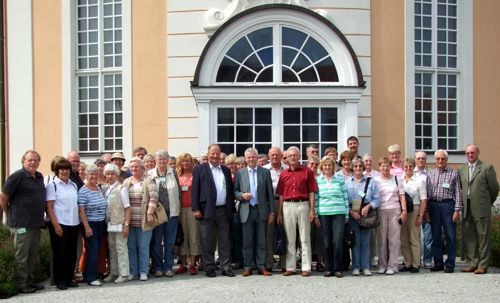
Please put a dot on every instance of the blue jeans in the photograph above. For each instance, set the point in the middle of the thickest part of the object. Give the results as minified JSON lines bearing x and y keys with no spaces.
{"x":238,"y":239}
{"x":166,"y":232}
{"x":138,"y":250}
{"x":361,"y":248}
{"x":441,"y":214}
{"x":333,"y":236}
{"x":427,"y":232}
{"x":92,"y":246}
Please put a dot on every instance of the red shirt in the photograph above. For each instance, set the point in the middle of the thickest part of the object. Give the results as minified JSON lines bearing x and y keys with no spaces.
{"x":186,"y":194}
{"x":296,"y":184}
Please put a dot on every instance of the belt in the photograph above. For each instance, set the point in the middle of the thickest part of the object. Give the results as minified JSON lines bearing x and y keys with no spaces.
{"x":276,"y":197}
{"x":251,"y":206}
{"x":219,"y":206}
{"x":296,"y":200}
{"x":442,"y":200}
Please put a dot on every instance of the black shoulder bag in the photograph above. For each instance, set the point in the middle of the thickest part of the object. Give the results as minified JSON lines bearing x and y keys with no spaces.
{"x":371,"y":220}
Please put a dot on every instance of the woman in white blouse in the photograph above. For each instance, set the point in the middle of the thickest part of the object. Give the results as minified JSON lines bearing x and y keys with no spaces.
{"x":410,"y":230}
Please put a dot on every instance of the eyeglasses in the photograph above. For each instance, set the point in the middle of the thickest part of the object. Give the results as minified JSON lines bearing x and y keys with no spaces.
{"x":293,"y":155}
{"x":420,"y":159}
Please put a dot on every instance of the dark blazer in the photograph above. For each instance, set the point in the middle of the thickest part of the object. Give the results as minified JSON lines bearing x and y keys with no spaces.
{"x":204,"y":192}
{"x":483,"y":188}
{"x":265,"y":194}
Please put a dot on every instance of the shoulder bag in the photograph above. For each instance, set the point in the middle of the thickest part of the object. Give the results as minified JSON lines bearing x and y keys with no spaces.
{"x":409,"y":200}
{"x":371,"y":220}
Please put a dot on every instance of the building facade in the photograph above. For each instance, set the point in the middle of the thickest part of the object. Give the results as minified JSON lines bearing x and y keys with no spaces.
{"x":100,"y":76}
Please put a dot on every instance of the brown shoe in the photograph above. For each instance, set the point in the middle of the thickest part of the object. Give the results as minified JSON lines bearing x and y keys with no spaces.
{"x":246,"y":273}
{"x":306,"y":274}
{"x":37,"y":286}
{"x":289,"y":273}
{"x":469,"y":269}
{"x":237,"y":266}
{"x":480,"y":271}
{"x":264,"y":272}
{"x":26,"y":290}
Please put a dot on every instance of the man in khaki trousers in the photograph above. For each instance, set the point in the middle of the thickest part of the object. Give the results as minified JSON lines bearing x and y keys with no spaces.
{"x":479,"y":192}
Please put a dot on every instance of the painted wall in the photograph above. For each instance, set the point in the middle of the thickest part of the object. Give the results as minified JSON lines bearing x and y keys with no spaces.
{"x":388,"y":74}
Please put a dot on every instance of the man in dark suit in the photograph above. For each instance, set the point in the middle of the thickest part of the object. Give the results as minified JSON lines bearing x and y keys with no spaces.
{"x":213,"y":206}
{"x":254,"y":188}
{"x":479,"y":190}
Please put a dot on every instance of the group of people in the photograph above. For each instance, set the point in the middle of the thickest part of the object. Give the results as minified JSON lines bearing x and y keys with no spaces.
{"x":232,"y":205}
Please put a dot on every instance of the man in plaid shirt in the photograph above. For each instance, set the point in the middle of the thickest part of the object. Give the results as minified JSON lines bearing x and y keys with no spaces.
{"x":444,"y":206}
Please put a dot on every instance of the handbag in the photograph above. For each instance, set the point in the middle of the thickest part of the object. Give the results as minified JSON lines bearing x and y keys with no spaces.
{"x":409,"y":200}
{"x":115,"y":228}
{"x":159,"y":215}
{"x":179,"y":239}
{"x":371,"y":220}
{"x":349,"y":237}
{"x":279,"y":245}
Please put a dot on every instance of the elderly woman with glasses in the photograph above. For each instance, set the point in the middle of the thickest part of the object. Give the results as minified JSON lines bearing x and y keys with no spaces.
{"x":316,"y":234}
{"x":92,"y":210}
{"x":118,"y":218}
{"x":371,"y":199}
{"x":143,"y":196}
{"x":169,"y":195}
{"x":396,"y":164}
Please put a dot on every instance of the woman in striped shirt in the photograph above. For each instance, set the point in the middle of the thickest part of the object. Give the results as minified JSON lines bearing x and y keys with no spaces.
{"x":332,"y":212}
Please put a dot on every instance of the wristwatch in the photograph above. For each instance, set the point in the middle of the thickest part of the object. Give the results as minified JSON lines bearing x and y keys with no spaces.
{"x":126,"y":224}
{"x":150,"y":215}
{"x":272,"y":213}
{"x":420,"y":215}
{"x":403,"y":210}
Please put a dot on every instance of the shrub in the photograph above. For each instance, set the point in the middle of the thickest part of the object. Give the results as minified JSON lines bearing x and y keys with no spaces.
{"x":8,"y":285}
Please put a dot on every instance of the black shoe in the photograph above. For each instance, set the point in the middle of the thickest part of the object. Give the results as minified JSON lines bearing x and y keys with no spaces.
{"x":62,"y":286}
{"x":26,"y":290}
{"x":210,"y":273}
{"x":228,"y":273}
{"x":437,"y":268}
{"x":72,"y":284}
{"x":449,"y":270}
{"x":404,"y":268}
{"x":37,"y":286}
{"x":414,"y":270}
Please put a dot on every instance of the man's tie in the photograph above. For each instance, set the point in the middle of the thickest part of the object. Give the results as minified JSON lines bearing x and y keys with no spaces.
{"x":471,"y":170}
{"x":253,"y":188}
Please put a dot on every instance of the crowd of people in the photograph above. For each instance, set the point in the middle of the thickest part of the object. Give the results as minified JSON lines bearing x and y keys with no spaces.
{"x":103,"y":218}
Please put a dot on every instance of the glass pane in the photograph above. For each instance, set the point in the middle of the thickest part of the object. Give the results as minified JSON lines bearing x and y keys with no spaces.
{"x":118,"y":35}
{"x":108,"y":48}
{"x":118,"y":92}
{"x":291,"y":133}
{"x":240,"y":50}
{"x":93,"y":106}
{"x":93,"y":24}
{"x":240,"y":149}
{"x":246,"y":75}
{"x":93,"y":132}
{"x":108,"y":23}
{"x":227,"y":71}
{"x":291,"y":116}
{"x":93,"y":50}
{"x":82,"y":38}
{"x":261,"y":38}
{"x":82,"y":145}
{"x":227,"y":148}
{"x":452,"y":144}
{"x":288,"y":55}
{"x":441,"y":105}
{"x":253,"y":63}
{"x":263,"y":134}
{"x":427,"y":118}
{"x":266,"y":56}
{"x":108,"y":10}
{"x":108,"y":92}
{"x":244,"y":134}
{"x":225,"y":134}
{"x":263,"y":116}
{"x":244,"y":116}
{"x":314,"y":50}
{"x":441,"y":118}
{"x":108,"y":119}
{"x":108,"y":144}
{"x":452,"y":118}
{"x":118,"y":131}
{"x":108,"y":36}
{"x":93,"y":145}
{"x":329,"y":133}
{"x":93,"y":63}
{"x":293,"y":37}
{"x":427,"y":143}
{"x":82,"y":107}
{"x":418,"y":118}
{"x":309,"y":75}
{"x":427,"y":105}
{"x":225,"y":115}
{"x":329,"y":115}
{"x":93,"y":119}
{"x":93,"y":93}
{"x":118,"y":144}
{"x":442,"y":144}
{"x":452,"y":106}
{"x":265,"y":75}
{"x":288,"y":75}
{"x":108,"y":131}
{"x":93,"y":37}
{"x":418,"y":104}
{"x":418,"y":130}
{"x":82,"y":120}
{"x":310,"y":133}
{"x":327,"y":71}
{"x":310,"y":115}
{"x":82,"y":63}
{"x":82,"y":132}
{"x":263,"y":148}
{"x":300,"y":63}
{"x":452,"y":131}
{"x":82,"y":94}
{"x":118,"y":118}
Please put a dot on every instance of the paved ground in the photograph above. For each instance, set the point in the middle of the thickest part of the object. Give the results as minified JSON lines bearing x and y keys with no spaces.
{"x":402,"y":287}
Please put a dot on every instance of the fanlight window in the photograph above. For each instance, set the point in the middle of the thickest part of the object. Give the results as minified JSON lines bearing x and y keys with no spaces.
{"x":302,"y":58}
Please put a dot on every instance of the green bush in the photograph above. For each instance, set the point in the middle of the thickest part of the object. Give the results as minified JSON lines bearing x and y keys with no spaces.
{"x":495,"y":236}
{"x":8,"y":286}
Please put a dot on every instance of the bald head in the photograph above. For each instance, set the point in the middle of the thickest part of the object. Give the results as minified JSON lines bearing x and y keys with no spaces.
{"x":74,"y":158}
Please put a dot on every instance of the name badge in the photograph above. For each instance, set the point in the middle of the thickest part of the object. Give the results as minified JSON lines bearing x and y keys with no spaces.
{"x":101,"y":195}
{"x":184,"y":188}
{"x":162,"y":179}
{"x":224,"y":182}
{"x":112,"y":196}
{"x":361,"y":194}
{"x":446,"y":185}
{"x":21,"y":230}
{"x":392,"y":181}
{"x":398,"y":170}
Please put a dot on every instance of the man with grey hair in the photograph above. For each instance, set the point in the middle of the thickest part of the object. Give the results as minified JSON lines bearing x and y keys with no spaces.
{"x":276,"y":167}
{"x":444,"y":205}
{"x":421,"y":171}
{"x":296,"y":188}
{"x":254,"y":188}
{"x":203,"y":157}
{"x":479,"y":192}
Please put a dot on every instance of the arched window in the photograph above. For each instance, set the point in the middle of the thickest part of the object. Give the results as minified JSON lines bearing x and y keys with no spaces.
{"x":251,"y":59}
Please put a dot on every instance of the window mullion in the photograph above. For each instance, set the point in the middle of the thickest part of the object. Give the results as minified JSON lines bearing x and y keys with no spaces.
{"x":277,"y":42}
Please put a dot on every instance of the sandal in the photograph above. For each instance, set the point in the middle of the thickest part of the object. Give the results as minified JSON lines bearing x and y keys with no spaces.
{"x":320,"y":267}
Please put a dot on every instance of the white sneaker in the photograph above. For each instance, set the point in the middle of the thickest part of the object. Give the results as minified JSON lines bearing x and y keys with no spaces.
{"x":132,"y":277}
{"x":121,"y":280}
{"x":367,"y":272}
{"x":144,"y":277}
{"x":95,"y":283}
{"x":389,"y":272}
{"x":109,"y":278}
{"x":428,"y":265}
{"x":355,"y":272}
{"x":381,"y":271}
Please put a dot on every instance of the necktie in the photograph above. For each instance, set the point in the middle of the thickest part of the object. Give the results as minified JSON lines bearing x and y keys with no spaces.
{"x":471,"y":170}
{"x":253,"y":188}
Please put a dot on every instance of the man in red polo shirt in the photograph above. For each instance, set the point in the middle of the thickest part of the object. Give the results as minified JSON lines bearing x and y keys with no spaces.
{"x":296,"y":187}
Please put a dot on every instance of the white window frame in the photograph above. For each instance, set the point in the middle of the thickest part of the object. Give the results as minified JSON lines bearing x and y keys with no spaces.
{"x":465,"y":94}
